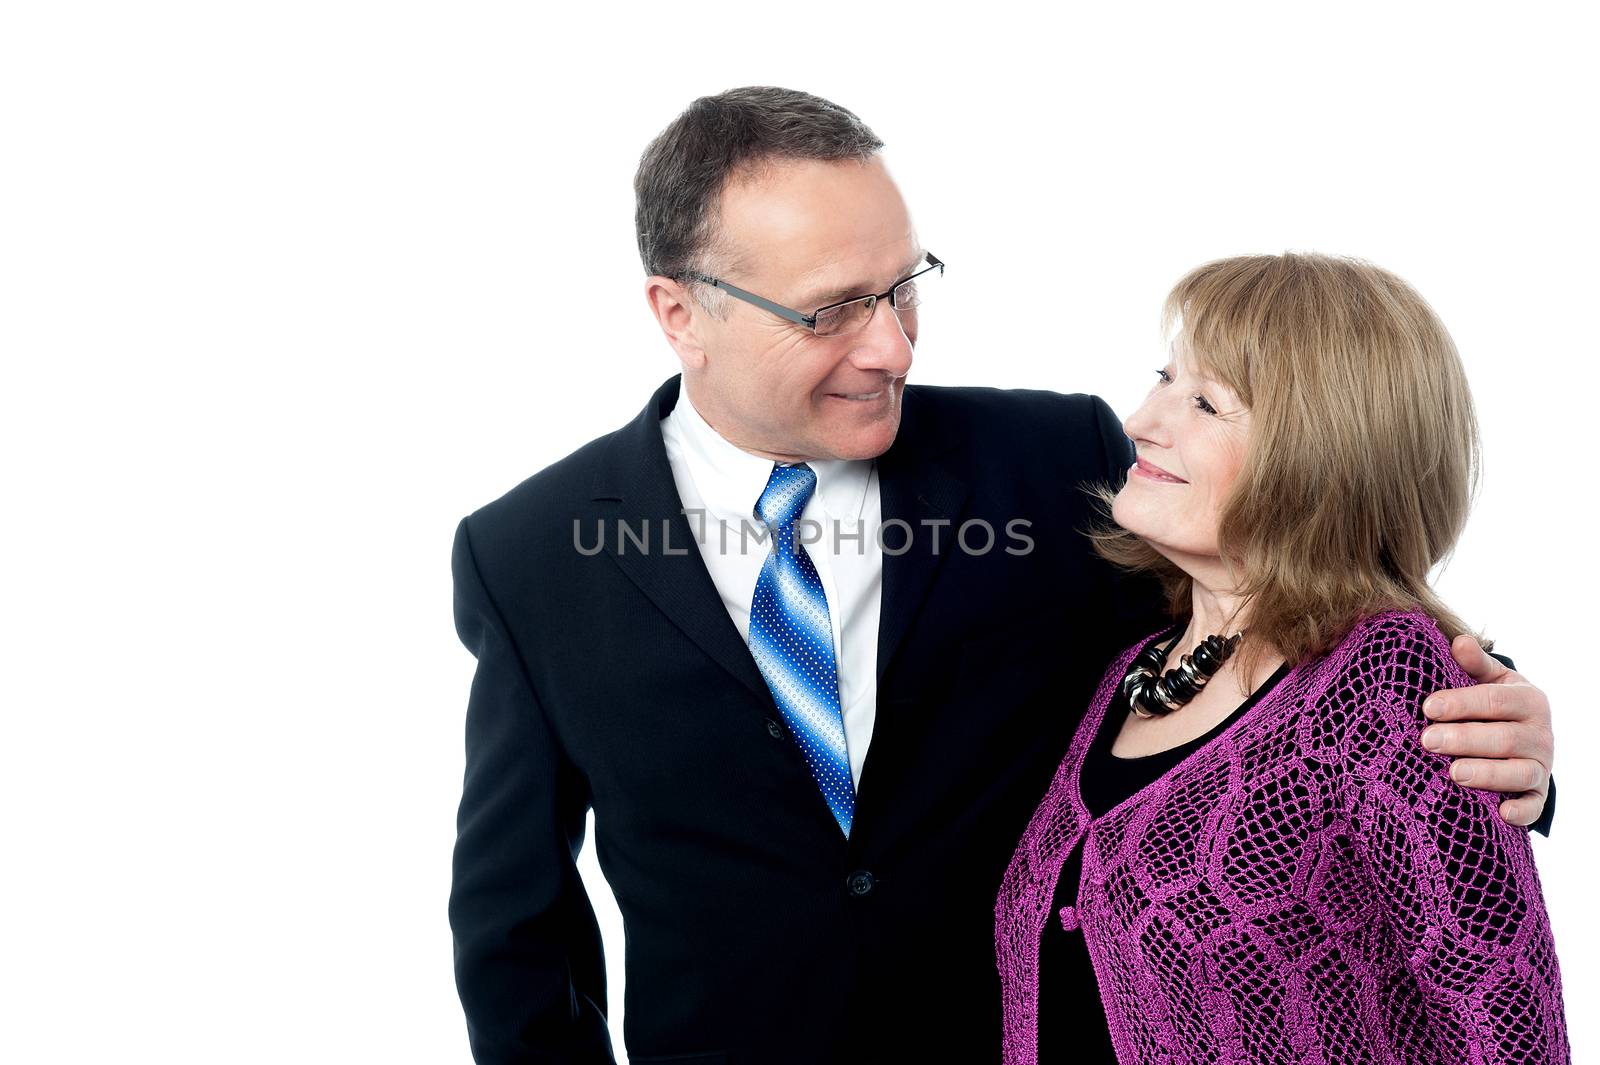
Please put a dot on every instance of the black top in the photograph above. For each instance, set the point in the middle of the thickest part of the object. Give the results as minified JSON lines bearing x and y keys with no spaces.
{"x":1072,"y":1022}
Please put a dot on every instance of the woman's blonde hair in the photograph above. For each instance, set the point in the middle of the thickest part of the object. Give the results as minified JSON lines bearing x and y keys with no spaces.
{"x":1363,"y":454}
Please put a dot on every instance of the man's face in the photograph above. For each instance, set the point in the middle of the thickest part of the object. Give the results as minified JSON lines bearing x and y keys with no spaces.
{"x":805,"y":234}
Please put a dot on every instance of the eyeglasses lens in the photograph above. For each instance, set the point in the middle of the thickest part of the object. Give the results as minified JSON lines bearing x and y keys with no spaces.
{"x":848,"y":318}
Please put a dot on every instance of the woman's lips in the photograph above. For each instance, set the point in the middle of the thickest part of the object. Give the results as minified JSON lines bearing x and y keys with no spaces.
{"x":1155,"y":473}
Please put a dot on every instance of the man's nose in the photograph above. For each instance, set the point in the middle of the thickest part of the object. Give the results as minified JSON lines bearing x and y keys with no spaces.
{"x":882,"y":343}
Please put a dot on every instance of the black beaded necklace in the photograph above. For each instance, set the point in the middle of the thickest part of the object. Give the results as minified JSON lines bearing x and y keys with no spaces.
{"x":1153,"y":694}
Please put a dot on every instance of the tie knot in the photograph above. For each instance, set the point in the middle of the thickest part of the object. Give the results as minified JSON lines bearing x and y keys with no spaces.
{"x":786,"y":494}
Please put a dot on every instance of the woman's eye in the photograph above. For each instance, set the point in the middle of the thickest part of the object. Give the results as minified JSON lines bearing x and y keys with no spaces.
{"x":1200,"y":401}
{"x":1166,"y":378}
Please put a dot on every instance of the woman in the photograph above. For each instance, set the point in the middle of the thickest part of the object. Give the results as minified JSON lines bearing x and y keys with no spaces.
{"x":1247,"y":855}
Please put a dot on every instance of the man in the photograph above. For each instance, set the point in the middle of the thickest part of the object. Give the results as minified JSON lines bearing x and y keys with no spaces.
{"x":810,"y":755}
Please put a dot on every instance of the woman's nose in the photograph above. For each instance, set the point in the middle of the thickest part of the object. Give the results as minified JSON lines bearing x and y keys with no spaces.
{"x":1146,"y":422}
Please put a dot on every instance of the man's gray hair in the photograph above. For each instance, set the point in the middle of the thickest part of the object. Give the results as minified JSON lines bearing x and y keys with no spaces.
{"x":682,"y":173}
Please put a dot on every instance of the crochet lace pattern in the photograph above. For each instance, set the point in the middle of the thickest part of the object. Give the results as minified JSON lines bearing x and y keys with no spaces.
{"x":1310,"y":886}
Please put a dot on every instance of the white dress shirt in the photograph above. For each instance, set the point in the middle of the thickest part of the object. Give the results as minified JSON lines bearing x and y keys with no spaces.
{"x":719,"y":484}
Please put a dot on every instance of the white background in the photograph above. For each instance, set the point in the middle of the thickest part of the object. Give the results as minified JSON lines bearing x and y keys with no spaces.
{"x":287,"y":288}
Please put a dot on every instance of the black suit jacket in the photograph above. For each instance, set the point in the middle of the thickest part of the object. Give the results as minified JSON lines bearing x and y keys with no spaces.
{"x":614,"y":679}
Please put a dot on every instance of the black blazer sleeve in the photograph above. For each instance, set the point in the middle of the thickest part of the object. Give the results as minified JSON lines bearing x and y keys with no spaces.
{"x":1135,"y":603}
{"x":527,"y":948}
{"x":1548,"y":817}
{"x":1113,"y":441}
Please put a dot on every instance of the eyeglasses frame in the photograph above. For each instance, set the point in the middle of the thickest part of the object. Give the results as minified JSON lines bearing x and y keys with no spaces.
{"x":810,"y":320}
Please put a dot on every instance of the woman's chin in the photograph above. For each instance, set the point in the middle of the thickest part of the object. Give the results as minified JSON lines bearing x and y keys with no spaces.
{"x":1127,"y":512}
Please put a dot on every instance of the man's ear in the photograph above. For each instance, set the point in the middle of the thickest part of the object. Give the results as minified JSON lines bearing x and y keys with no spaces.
{"x":679,"y":316}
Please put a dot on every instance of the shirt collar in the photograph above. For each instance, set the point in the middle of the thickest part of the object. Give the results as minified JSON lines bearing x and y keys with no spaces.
{"x":730,"y":479}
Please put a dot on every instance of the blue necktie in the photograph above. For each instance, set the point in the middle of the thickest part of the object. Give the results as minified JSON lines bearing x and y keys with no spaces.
{"x":791,"y":638}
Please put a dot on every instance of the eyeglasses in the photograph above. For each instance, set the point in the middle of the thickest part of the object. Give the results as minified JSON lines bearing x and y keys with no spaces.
{"x":848,"y":316}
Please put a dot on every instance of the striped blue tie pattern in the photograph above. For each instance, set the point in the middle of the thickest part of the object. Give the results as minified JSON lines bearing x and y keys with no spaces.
{"x":791,"y":638}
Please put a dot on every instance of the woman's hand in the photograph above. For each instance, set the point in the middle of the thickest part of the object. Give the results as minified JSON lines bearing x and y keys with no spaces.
{"x":1498,"y":732}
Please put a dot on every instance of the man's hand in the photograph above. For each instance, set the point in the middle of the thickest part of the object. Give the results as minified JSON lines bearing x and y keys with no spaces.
{"x":1498,"y":732}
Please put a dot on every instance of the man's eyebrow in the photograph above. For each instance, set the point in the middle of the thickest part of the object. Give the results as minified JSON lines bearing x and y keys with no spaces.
{"x":825,"y":298}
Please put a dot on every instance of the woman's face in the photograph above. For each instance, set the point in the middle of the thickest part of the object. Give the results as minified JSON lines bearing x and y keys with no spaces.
{"x":1190,"y":436}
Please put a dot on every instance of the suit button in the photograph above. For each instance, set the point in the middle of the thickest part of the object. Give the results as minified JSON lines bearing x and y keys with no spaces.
{"x":774,"y":729}
{"x":859,"y":883}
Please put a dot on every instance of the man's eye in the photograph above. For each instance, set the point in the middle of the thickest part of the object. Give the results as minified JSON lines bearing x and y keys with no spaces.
{"x":830,"y":321}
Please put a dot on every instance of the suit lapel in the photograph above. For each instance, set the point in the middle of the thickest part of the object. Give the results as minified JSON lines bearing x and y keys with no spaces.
{"x":915,"y":488}
{"x":635,"y":487}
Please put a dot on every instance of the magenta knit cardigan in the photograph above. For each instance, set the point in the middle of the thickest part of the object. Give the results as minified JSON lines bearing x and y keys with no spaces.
{"x":1309,"y":886}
